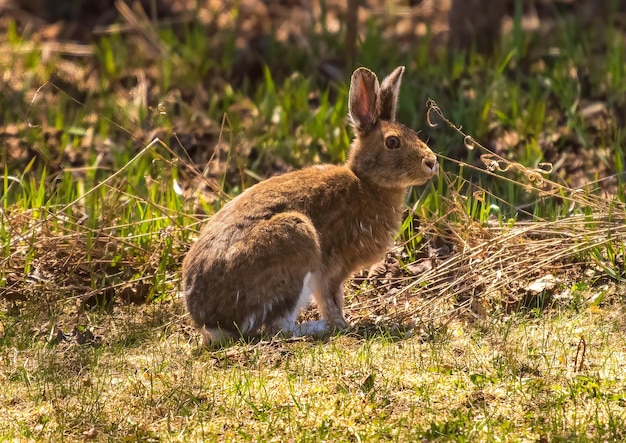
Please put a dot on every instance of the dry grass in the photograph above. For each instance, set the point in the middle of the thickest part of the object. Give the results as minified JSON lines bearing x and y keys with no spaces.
{"x":143,"y":377}
{"x":484,"y":265}
{"x":491,"y":265}
{"x":498,"y":317}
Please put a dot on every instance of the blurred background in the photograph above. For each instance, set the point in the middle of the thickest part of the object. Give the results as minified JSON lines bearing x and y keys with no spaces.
{"x":507,"y":71}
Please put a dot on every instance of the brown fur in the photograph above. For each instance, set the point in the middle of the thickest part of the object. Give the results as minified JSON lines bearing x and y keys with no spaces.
{"x":248,"y":267}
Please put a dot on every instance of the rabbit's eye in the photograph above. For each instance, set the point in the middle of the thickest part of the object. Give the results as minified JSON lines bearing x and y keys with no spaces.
{"x":392,"y":142}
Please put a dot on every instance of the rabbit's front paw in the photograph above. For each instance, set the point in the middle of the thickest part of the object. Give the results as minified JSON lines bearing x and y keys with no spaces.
{"x":318,"y":328}
{"x":311,"y":328}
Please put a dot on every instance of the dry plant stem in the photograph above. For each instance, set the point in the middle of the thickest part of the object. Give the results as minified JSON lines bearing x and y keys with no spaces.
{"x":80,"y":104}
{"x":557,"y":244}
{"x":217,"y":189}
{"x":534,"y":176}
{"x":581,"y":350}
{"x":139,"y":21}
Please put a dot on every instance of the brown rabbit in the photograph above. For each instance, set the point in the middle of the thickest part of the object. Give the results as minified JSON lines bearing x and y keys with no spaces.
{"x":261,"y":257}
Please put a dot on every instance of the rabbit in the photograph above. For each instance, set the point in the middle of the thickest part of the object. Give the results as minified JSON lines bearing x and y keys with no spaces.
{"x":259,"y":259}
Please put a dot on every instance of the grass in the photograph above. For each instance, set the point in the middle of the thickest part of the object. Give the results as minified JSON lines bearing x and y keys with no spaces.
{"x":498,"y":316}
{"x":513,"y":379}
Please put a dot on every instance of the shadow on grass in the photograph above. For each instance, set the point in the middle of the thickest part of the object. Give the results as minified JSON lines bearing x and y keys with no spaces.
{"x":250,"y":348}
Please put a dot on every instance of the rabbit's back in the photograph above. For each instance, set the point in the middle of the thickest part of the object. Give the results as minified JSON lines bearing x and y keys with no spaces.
{"x":344,"y":210}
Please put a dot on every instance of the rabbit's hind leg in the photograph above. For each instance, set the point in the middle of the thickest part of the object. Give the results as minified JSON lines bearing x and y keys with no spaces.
{"x":212,"y":337}
{"x":287,"y":324}
{"x":329,"y":300}
{"x":282,"y":255}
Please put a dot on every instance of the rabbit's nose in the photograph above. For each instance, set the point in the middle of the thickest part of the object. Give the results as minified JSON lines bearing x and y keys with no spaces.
{"x":430,"y":165}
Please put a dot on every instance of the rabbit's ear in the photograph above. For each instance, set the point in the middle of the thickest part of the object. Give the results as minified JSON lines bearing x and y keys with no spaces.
{"x":388,"y":94}
{"x":362,"y":101}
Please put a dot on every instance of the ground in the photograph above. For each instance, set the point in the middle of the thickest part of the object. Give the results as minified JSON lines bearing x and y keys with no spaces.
{"x":499,"y":314}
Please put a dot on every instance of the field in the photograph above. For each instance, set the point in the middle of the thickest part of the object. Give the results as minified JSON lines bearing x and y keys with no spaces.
{"x":498,"y":316}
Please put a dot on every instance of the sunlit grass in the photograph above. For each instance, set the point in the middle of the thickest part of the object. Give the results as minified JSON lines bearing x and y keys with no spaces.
{"x":509,"y":380}
{"x":99,"y":215}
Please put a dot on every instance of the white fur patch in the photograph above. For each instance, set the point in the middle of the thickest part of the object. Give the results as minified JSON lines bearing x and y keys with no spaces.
{"x":305,"y":294}
{"x":313,"y":327}
{"x":288,"y":323}
{"x":248,"y":324}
